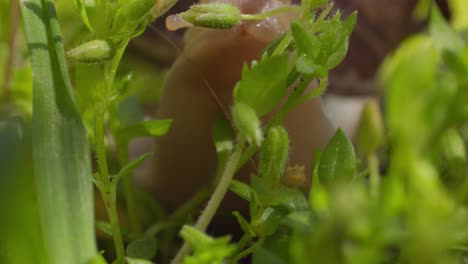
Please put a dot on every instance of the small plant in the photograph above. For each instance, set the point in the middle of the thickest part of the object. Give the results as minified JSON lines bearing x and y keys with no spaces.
{"x":398,"y":195}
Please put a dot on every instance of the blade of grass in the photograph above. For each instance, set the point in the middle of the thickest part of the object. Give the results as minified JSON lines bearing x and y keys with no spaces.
{"x":60,"y":146}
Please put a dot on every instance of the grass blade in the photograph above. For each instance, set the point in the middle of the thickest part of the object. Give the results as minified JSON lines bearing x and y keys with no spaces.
{"x":60,"y":146}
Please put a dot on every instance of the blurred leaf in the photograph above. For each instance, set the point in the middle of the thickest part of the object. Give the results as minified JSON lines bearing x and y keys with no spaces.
{"x":152,"y":128}
{"x":127,"y":168}
{"x":205,"y":248}
{"x":443,"y":36}
{"x":245,"y":226}
{"x":458,"y":10}
{"x":241,"y":189}
{"x":142,"y":249}
{"x":104,"y":227}
{"x":83,"y":7}
{"x":264,"y":85}
{"x":60,"y":145}
{"x":263,"y":256}
{"x":278,"y":195}
{"x":338,"y":161}
{"x":370,"y":128}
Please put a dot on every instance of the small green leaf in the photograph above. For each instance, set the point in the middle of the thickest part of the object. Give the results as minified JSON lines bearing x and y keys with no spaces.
{"x":142,"y":249}
{"x":83,"y":7}
{"x":245,"y":226}
{"x":206,"y":249}
{"x":338,"y":161}
{"x":213,"y":15}
{"x":127,"y":168}
{"x":246,"y":121}
{"x":104,"y":227}
{"x":266,"y":223}
{"x":147,"y":128}
{"x":243,"y":190}
{"x":274,"y":154}
{"x":264,"y":85}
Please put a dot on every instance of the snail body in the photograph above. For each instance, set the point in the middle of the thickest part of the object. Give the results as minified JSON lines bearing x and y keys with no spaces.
{"x":200,"y":85}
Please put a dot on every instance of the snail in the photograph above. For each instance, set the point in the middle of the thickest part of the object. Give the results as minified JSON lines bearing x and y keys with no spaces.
{"x":200,"y":85}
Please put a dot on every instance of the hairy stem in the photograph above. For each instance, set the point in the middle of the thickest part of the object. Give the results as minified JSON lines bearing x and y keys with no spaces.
{"x":216,"y":197}
{"x":108,"y":195}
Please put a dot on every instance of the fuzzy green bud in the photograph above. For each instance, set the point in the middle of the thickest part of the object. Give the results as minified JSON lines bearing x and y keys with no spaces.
{"x":247,"y":122}
{"x":370,"y":130}
{"x":214,"y":15}
{"x":94,"y":51}
{"x":274,"y":154}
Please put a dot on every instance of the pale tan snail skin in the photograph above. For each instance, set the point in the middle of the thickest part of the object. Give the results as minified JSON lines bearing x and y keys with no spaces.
{"x":184,"y":160}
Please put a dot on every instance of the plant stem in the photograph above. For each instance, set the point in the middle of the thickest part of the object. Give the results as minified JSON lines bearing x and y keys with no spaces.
{"x":106,"y":188}
{"x":108,"y":194}
{"x":374,"y":177}
{"x":249,"y":250}
{"x":216,"y":197}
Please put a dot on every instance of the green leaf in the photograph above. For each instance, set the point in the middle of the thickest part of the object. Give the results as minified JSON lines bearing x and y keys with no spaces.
{"x":127,"y":168}
{"x":267,"y":221}
{"x":444,"y":37}
{"x":206,"y":249}
{"x":142,"y":248}
{"x":338,"y":161}
{"x":83,"y":7}
{"x":105,"y":227}
{"x":245,"y":226}
{"x":264,"y":85}
{"x":152,"y":128}
{"x":60,"y":145}
{"x":278,"y":195}
{"x":458,"y":9}
{"x":243,"y":190}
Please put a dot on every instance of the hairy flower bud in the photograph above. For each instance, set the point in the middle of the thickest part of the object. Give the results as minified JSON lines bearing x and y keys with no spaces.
{"x":247,"y":122}
{"x":274,"y":154}
{"x":214,"y":15}
{"x":94,"y":51}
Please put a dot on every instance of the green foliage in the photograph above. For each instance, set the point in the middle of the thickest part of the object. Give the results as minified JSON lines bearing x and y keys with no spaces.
{"x":412,"y":209}
{"x":338,"y":161}
{"x":263,"y":86}
{"x":206,"y":249}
